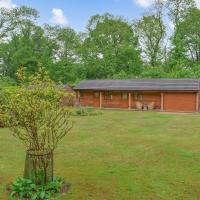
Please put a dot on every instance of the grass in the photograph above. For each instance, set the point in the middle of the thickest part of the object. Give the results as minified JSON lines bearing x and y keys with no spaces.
{"x":121,"y":155}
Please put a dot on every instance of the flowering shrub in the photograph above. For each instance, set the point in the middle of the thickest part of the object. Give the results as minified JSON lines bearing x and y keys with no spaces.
{"x":36,"y":117}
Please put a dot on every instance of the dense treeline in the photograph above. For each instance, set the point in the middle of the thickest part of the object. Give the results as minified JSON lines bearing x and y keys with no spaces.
{"x":111,"y":47}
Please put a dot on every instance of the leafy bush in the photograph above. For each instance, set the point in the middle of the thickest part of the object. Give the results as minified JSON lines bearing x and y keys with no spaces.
{"x":68,"y":100}
{"x":34,"y":108}
{"x":2,"y":120}
{"x":25,"y":189}
{"x":85,"y":111}
{"x":2,"y":109}
{"x":36,"y":117}
{"x":153,"y":72}
{"x":7,"y":81}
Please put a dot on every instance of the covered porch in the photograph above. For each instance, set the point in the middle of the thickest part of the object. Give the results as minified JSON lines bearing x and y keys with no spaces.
{"x":145,"y":100}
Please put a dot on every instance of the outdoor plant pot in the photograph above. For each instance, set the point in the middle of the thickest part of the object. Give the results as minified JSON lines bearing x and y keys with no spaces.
{"x":39,"y":166}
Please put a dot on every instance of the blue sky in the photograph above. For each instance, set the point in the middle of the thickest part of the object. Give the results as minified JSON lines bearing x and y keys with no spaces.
{"x":76,"y":13}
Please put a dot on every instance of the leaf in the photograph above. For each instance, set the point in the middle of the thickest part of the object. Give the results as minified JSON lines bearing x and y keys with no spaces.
{"x":42,"y":195}
{"x":34,"y":197}
{"x":13,"y":193}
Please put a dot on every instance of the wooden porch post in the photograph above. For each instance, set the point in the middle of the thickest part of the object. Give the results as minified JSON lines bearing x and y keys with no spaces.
{"x":78,"y":98}
{"x":197,"y":102}
{"x":129,"y":100}
{"x":100,"y":101}
{"x":162,"y":101}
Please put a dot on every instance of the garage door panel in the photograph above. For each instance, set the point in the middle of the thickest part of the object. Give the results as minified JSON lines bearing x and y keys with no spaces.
{"x":180,"y":102}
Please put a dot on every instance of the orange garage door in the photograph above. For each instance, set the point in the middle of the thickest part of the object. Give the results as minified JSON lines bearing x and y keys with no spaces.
{"x":179,"y":102}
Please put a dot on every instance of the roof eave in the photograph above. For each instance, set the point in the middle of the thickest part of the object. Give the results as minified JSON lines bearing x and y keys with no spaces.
{"x":127,"y":89}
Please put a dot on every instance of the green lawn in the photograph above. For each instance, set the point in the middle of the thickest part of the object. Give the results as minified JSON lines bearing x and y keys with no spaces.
{"x":121,"y":155}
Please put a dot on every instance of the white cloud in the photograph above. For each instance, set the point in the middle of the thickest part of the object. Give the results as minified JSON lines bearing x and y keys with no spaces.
{"x":7,"y":4}
{"x":59,"y":17}
{"x":143,"y":3}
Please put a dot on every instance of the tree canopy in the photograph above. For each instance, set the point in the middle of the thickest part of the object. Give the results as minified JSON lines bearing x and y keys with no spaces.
{"x":110,"y":47}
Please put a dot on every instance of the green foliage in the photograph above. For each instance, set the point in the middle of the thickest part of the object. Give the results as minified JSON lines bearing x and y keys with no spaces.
{"x":6,"y":81}
{"x":28,"y":48}
{"x":178,"y":9}
{"x":151,"y":32}
{"x":85,"y":111}
{"x":185,"y":40}
{"x":3,"y":94}
{"x":3,"y":116}
{"x":189,"y":33}
{"x":11,"y":20}
{"x":111,"y":47}
{"x":121,"y":75}
{"x":153,"y":72}
{"x":67,"y":44}
{"x":22,"y":189}
{"x":23,"y":45}
{"x":3,"y":119}
{"x":34,"y":111}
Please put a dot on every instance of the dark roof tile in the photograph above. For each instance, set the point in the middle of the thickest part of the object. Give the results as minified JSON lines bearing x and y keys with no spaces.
{"x":140,"y":84}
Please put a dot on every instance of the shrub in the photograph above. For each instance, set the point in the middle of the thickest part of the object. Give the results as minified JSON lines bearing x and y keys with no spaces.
{"x":2,"y":109}
{"x":68,"y":100}
{"x":25,"y":189}
{"x":35,"y":116}
{"x":85,"y":111}
{"x":7,"y":81}
{"x":2,"y":120}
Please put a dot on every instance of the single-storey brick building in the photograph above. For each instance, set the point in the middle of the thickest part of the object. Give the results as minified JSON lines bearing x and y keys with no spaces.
{"x":180,"y":95}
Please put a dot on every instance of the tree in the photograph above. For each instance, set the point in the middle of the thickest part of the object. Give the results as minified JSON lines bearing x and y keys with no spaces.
{"x":11,"y":21}
{"x":151,"y":32}
{"x":67,"y":64}
{"x":27,"y":48}
{"x":36,"y":117}
{"x":177,"y":9}
{"x":20,"y":39}
{"x":189,"y":31}
{"x":110,"y":47}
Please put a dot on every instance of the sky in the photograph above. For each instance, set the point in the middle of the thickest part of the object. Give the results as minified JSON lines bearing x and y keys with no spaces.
{"x":76,"y":13}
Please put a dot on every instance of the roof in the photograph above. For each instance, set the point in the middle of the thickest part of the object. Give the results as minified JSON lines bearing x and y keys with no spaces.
{"x":141,"y":84}
{"x":68,"y":88}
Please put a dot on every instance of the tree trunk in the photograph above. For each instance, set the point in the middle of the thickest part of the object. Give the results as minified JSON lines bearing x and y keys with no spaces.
{"x":39,"y":166}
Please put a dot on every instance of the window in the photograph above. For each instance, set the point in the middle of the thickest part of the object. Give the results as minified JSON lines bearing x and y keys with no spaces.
{"x":137,"y":96}
{"x":108,"y":95}
{"x":96,"y":95}
{"x":124,"y":95}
